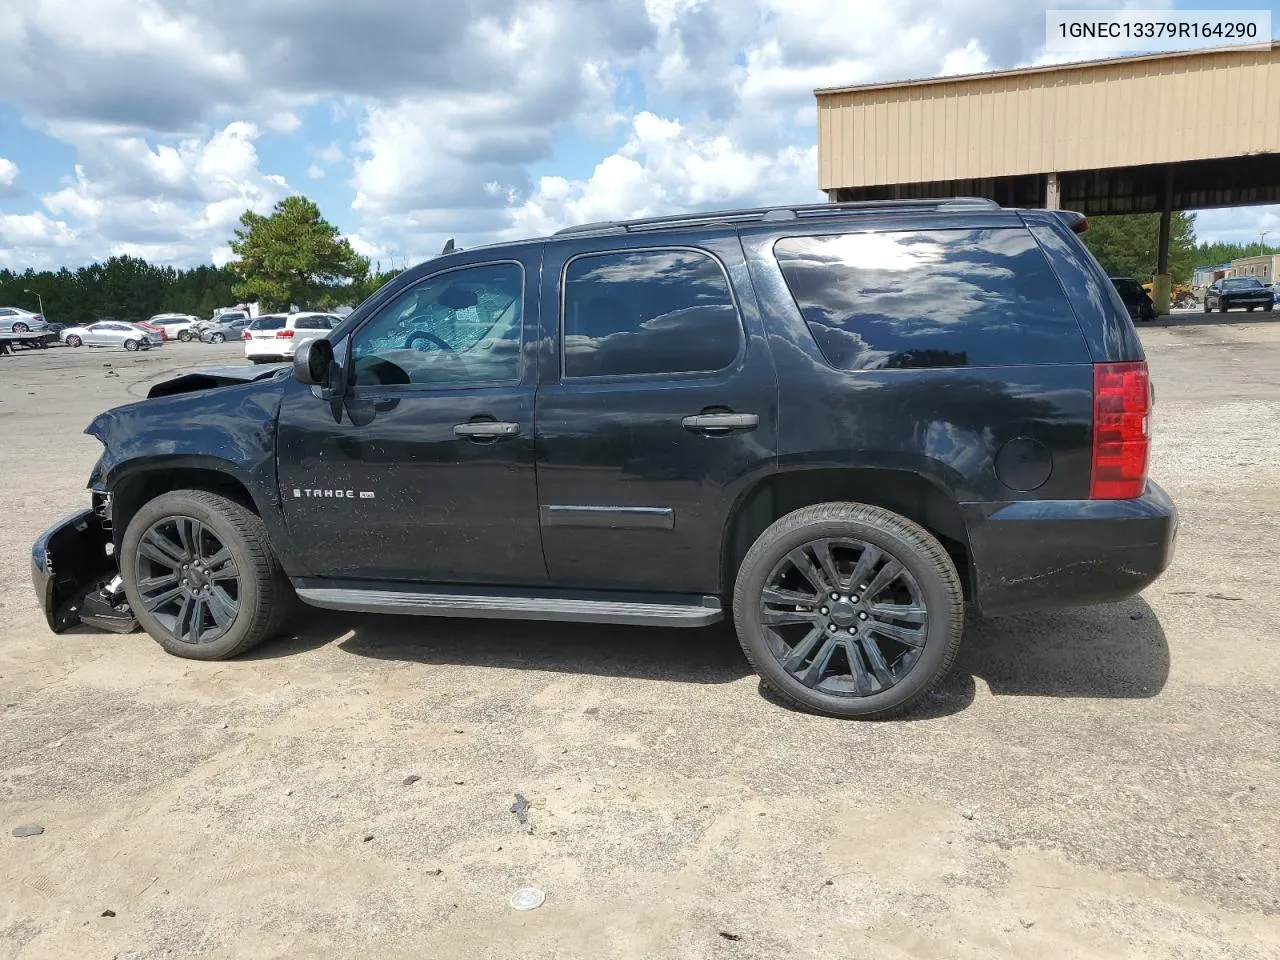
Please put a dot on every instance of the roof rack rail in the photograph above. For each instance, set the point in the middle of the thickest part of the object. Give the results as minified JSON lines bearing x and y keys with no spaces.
{"x":770,"y":214}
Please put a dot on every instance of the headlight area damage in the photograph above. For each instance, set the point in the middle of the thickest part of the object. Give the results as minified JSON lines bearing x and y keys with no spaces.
{"x":73,"y":567}
{"x":75,"y":575}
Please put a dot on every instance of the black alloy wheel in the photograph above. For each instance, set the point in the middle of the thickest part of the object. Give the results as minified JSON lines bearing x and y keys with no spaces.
{"x":844,"y":617}
{"x":849,"y":609}
{"x":187,"y":579}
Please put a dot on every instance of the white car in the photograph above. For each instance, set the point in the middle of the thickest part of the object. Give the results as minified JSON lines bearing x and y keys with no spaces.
{"x":110,"y":333}
{"x":180,"y":326}
{"x":275,"y":336}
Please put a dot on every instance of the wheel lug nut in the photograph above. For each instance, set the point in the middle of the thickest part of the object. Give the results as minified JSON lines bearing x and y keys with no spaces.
{"x":853,"y":629}
{"x":862,"y":616}
{"x":835,"y":596}
{"x":833,"y":628}
{"x":854,"y":598}
{"x":824,"y":611}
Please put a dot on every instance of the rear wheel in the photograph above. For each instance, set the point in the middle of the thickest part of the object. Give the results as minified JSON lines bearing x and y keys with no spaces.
{"x":131,"y":345}
{"x":200,"y":575}
{"x":21,"y":327}
{"x":74,"y":341}
{"x":217,"y":338}
{"x":184,"y":336}
{"x":849,"y":610}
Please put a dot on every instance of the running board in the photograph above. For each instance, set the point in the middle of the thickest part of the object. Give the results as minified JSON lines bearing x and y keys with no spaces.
{"x":581,"y":606}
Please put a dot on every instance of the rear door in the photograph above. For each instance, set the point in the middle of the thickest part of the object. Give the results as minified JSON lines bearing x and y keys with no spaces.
{"x":266,"y":328}
{"x":657,"y":409}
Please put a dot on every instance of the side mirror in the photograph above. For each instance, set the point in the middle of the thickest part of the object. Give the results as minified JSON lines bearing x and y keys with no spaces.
{"x":313,"y":362}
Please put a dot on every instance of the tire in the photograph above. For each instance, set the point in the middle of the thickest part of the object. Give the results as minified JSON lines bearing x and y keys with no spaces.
{"x":1206,"y":304}
{"x":217,"y":338}
{"x":1268,"y":308}
{"x":928,"y":580}
{"x":74,"y":341}
{"x":131,"y":345}
{"x":1249,"y":309}
{"x":1222,"y":306}
{"x":261,"y":590}
{"x":184,"y":336}
{"x":21,"y":327}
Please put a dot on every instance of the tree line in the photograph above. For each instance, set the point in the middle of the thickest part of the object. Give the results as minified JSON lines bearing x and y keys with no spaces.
{"x":1127,"y":246}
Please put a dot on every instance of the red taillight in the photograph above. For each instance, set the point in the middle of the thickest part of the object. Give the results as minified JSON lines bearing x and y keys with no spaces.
{"x":248,"y":335}
{"x":1121,"y":430}
{"x":284,"y":334}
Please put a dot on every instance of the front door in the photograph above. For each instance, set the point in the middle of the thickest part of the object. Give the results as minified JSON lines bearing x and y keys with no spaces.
{"x":424,"y":471}
{"x":658,"y":413}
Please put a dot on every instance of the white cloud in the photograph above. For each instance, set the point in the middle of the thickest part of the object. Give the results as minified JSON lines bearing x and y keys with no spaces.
{"x":8,"y":174}
{"x":315,"y":171}
{"x":167,"y":203}
{"x":664,"y":166}
{"x":1242,"y":225}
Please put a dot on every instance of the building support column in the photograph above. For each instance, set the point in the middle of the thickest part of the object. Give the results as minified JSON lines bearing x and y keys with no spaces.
{"x":1052,"y":192}
{"x":1161,"y":287}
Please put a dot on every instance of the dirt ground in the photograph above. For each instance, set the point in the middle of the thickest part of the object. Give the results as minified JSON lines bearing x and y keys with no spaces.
{"x":1099,"y":782}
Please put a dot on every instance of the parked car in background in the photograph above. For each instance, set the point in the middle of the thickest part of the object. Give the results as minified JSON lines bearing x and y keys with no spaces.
{"x":224,"y":317}
{"x":180,"y":326}
{"x":276,"y":336}
{"x":158,"y":331}
{"x":1233,"y":292}
{"x":222,"y":332}
{"x":111,"y":333}
{"x":1136,"y":300}
{"x":17,"y":320}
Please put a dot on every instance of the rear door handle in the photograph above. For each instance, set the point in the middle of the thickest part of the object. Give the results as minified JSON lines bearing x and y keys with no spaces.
{"x":721,"y":422}
{"x":486,"y":429}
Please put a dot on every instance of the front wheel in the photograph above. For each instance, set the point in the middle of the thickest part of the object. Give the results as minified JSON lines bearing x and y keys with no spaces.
{"x":217,"y":338}
{"x":849,"y":610}
{"x":200,"y":575}
{"x":131,"y":345}
{"x":1222,"y":307}
{"x":21,"y":328}
{"x":184,"y":336}
{"x":74,"y":341}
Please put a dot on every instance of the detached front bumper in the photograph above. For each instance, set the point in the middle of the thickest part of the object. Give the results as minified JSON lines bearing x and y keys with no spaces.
{"x":1041,"y":554}
{"x":75,"y":576}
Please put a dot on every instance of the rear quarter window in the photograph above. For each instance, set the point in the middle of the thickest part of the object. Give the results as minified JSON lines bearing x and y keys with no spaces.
{"x":936,"y":298}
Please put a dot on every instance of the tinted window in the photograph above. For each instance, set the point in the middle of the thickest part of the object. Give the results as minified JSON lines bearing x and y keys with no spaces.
{"x":1243,"y":283}
{"x":944,"y":298}
{"x":648,"y":312}
{"x":1129,"y":288}
{"x":267,"y":323}
{"x":458,"y":327}
{"x":311,"y":323}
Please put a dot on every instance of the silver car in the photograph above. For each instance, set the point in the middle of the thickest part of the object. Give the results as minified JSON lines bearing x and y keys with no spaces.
{"x":109,"y":333}
{"x":17,"y":320}
{"x":222,"y":332}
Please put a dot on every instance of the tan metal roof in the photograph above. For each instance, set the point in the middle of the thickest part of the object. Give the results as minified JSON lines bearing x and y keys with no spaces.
{"x":1131,"y":111}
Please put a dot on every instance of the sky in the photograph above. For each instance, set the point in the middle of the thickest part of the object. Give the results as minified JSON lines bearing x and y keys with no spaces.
{"x":147,"y":127}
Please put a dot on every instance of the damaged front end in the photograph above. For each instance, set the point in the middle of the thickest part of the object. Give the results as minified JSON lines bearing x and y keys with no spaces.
{"x":75,"y":575}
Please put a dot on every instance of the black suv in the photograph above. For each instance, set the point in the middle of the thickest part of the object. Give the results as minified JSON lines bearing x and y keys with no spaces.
{"x":835,"y":424}
{"x":1136,"y":300}
{"x":1248,"y":292}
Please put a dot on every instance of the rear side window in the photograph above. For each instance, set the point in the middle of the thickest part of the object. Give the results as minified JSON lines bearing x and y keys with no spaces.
{"x":311,"y":323}
{"x":936,"y":298}
{"x":648,"y":312}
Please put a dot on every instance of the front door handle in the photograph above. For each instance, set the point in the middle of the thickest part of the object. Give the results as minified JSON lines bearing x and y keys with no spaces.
{"x":721,"y":422}
{"x":486,"y":429}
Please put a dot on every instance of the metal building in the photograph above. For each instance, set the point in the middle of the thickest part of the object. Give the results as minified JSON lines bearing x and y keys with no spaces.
{"x":1144,"y":134}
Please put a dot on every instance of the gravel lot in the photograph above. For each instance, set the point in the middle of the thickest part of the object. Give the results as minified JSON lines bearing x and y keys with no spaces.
{"x":1093,"y":783}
